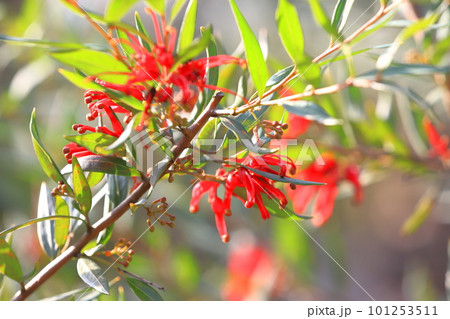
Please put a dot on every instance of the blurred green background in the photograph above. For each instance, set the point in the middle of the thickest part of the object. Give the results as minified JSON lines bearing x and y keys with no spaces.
{"x":190,"y":261}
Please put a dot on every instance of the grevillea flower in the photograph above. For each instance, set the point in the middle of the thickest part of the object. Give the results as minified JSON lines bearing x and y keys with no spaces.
{"x":179,"y":83}
{"x":98,"y":104}
{"x":252,"y":273}
{"x":331,"y":174}
{"x":255,"y":186}
{"x":438,"y":143}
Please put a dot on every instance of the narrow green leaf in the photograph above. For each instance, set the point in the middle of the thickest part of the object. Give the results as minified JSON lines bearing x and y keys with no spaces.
{"x":279,"y":76}
{"x":284,"y":179}
{"x":93,"y":178}
{"x":239,"y":130}
{"x":255,"y":59}
{"x":340,"y":14}
{"x":409,"y":69}
{"x":213,"y":73}
{"x":143,"y":291}
{"x":94,"y":63}
{"x":290,"y":30}
{"x":195,"y":48}
{"x":37,"y":220}
{"x":176,"y":8}
{"x":187,"y":29}
{"x":81,"y":188}
{"x":104,"y":164}
{"x":92,"y":275}
{"x":9,"y":264}
{"x":116,"y":9}
{"x":310,"y":111}
{"x":321,"y":17}
{"x":124,"y":39}
{"x":159,"y":6}
{"x":140,"y":27}
{"x":80,"y":81}
{"x":46,"y":229}
{"x":47,"y":163}
{"x":421,"y":212}
{"x":61,"y":224}
{"x":41,"y":43}
{"x":97,"y":143}
{"x":282,"y":212}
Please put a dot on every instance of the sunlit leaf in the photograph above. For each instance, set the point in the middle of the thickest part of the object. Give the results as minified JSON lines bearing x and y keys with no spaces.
{"x":279,"y":76}
{"x":213,"y":73}
{"x":255,"y":59}
{"x":92,"y":274}
{"x":116,"y":9}
{"x":41,"y":43}
{"x":290,"y":30}
{"x":93,"y":178}
{"x":46,"y":228}
{"x":43,"y":156}
{"x":94,"y":63}
{"x":195,"y":48}
{"x":187,"y":29}
{"x":143,"y":291}
{"x":159,"y":6}
{"x":96,"y":143}
{"x":340,"y":14}
{"x":176,"y":8}
{"x":9,"y":264}
{"x":81,"y":188}
{"x":321,"y":17}
{"x":61,"y":224}
{"x":141,"y":28}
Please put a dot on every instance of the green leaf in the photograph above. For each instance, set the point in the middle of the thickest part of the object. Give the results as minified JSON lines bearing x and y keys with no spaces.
{"x":176,"y":8}
{"x":239,"y":130}
{"x":97,"y":143}
{"x":310,"y":111}
{"x":340,"y":14}
{"x":255,"y":59}
{"x":143,"y":291}
{"x":9,"y":264}
{"x":94,"y":63}
{"x":124,"y":39}
{"x":187,"y":29}
{"x":282,"y":212}
{"x":140,"y":27}
{"x":44,"y":158}
{"x":290,"y":30}
{"x":46,"y":229}
{"x":421,"y":212}
{"x":80,"y":80}
{"x":81,"y":188}
{"x":41,"y":43}
{"x":104,"y":164}
{"x":194,"y":49}
{"x":37,"y":220}
{"x":213,"y":73}
{"x":93,"y":178}
{"x":279,"y":76}
{"x":116,"y":9}
{"x":61,"y":224}
{"x":284,"y":179}
{"x":409,"y":69}
{"x":159,"y":6}
{"x":321,"y":17}
{"x":92,"y":275}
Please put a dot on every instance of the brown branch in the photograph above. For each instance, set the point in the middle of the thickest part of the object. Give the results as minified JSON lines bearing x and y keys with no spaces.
{"x":71,"y":252}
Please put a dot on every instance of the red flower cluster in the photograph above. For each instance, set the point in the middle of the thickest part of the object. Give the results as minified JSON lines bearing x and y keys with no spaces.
{"x":331,"y":174}
{"x":439,"y":144}
{"x":178,"y":84}
{"x":255,"y":185}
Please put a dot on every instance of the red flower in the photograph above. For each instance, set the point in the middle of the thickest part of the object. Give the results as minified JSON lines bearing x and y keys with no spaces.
{"x":254,"y":184}
{"x":252,"y":273}
{"x":438,"y":143}
{"x":98,"y":104}
{"x":325,"y":195}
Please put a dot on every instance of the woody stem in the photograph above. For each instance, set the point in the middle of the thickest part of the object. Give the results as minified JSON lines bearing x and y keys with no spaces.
{"x":74,"y":250}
